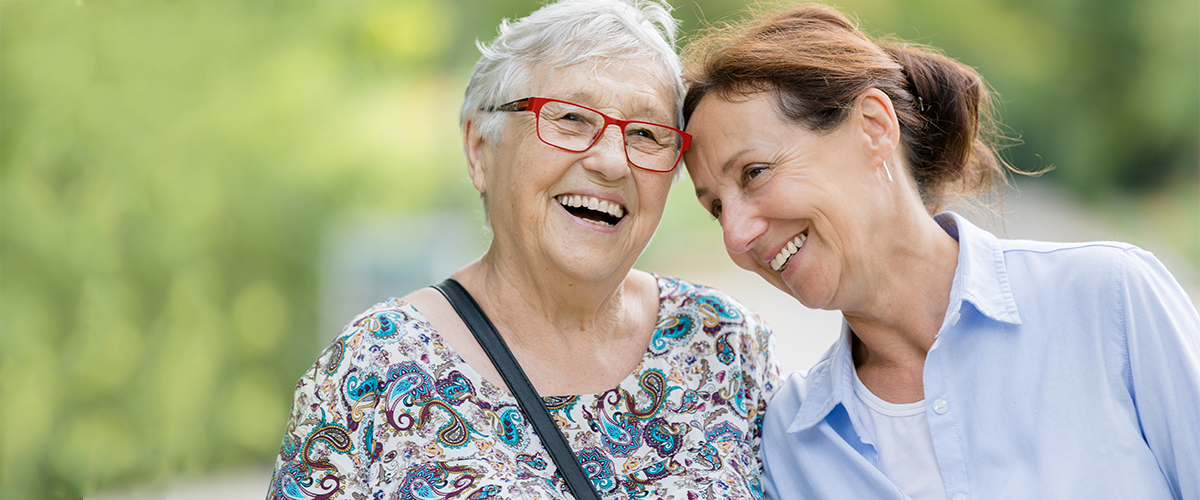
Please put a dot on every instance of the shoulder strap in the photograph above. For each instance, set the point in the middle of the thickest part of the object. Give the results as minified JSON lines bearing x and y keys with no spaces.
{"x":535,"y":410}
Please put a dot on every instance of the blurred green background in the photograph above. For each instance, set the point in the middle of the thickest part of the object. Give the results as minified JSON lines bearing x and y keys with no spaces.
{"x":170,"y":171}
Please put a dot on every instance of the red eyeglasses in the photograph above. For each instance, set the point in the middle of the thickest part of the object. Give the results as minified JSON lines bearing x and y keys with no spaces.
{"x":572,"y":127}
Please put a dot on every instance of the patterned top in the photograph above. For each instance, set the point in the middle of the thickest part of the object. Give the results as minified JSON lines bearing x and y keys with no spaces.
{"x":389,"y":411}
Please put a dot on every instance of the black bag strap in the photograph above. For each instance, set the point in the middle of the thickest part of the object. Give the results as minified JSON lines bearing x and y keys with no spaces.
{"x":535,"y":410}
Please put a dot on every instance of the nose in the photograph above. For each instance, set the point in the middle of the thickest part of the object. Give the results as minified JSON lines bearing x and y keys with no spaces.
{"x":607,"y":156}
{"x":740,"y":226}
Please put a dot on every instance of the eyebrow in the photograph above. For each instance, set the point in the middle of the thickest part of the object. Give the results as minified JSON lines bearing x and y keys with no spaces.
{"x":648,"y":112}
{"x":579,"y":96}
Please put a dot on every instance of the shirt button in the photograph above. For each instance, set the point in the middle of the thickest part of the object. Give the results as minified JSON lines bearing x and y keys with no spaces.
{"x":940,"y":406}
{"x":959,"y":496}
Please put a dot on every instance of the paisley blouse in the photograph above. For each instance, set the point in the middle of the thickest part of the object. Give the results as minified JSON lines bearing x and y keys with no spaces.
{"x":389,"y":411}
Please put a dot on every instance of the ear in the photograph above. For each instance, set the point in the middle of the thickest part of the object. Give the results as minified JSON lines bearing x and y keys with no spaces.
{"x":879,"y":123}
{"x":474,"y":145}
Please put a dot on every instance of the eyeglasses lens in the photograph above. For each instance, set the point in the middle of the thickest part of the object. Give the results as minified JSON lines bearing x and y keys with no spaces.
{"x":573,"y":128}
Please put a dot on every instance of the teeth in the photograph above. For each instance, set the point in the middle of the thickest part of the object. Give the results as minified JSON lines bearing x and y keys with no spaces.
{"x":608,"y":207}
{"x":786,"y":253}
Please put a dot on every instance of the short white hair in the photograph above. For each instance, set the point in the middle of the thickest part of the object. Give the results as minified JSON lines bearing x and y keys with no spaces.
{"x":565,"y":33}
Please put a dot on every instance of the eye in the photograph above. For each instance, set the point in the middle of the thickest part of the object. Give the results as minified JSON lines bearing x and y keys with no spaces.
{"x":641,"y":132}
{"x":715,"y":210}
{"x":752,"y":171}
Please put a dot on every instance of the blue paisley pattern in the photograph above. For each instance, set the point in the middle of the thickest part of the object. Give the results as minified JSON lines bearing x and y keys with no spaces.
{"x":389,"y":411}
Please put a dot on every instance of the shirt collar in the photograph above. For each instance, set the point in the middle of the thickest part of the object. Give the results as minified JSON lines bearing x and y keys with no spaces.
{"x":981,"y":278}
{"x":828,"y":384}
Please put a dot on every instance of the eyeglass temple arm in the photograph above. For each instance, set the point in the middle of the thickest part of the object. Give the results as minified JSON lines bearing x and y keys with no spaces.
{"x":517,"y":105}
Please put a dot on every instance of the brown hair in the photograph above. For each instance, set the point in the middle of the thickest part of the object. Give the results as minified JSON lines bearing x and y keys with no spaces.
{"x":817,"y":63}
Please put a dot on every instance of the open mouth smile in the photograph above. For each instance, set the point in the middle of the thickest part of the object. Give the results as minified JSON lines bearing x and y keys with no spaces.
{"x":594,"y":210}
{"x":785,"y":255}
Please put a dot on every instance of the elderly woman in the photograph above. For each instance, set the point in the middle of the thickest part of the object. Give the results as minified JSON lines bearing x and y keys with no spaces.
{"x":657,"y":385}
{"x":969,"y":367}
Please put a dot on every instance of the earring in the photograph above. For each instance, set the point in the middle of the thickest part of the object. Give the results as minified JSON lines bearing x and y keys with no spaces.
{"x":889,"y":172}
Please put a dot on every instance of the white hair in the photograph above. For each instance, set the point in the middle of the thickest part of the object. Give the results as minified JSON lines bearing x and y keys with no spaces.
{"x":565,"y":33}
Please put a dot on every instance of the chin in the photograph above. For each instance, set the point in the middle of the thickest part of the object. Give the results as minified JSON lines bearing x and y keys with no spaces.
{"x":777,"y":283}
{"x":811,"y":299}
{"x":805,"y":295}
{"x":592,"y":268}
{"x":774,"y":278}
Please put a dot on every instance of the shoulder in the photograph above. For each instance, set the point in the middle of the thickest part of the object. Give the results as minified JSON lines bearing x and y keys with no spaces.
{"x":1085,"y":282}
{"x":686,"y":308}
{"x":1094,"y":249}
{"x":1093,"y":263}
{"x":676,"y":295}
{"x":386,"y":322}
{"x":373,"y":339}
{"x":698,"y":314}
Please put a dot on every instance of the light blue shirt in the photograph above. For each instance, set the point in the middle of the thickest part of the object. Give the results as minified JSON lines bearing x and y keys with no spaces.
{"x":1061,"y":371}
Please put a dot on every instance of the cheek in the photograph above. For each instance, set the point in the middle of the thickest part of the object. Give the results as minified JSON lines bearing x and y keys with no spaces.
{"x":652,"y":193}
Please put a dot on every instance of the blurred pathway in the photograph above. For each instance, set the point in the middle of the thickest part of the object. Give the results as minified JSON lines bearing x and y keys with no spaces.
{"x":245,"y":484}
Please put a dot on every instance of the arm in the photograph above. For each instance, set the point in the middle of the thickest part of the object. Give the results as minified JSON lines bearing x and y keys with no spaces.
{"x":321,"y":455}
{"x":1162,"y":333}
{"x":760,"y":373}
{"x":760,"y":368}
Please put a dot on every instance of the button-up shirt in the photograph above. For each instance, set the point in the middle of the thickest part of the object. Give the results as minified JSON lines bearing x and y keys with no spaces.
{"x":1060,"y":371}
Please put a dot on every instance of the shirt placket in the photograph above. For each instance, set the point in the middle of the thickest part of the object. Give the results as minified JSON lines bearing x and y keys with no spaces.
{"x":943,"y":414}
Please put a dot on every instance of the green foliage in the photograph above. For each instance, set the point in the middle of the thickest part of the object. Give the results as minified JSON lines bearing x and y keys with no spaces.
{"x":1107,"y":92}
{"x":168,"y":171}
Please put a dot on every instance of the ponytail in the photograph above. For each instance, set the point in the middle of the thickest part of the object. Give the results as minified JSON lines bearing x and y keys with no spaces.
{"x":948,"y":151}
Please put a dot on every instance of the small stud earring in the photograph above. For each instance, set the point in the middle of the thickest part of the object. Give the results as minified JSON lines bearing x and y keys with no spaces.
{"x":889,"y":172}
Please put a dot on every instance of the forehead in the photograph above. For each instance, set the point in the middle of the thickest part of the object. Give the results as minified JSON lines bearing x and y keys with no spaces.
{"x":723,"y":127}
{"x":716,"y":111}
{"x":625,"y":88}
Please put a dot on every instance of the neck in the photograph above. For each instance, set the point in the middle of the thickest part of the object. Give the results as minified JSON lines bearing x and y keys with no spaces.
{"x":543,"y":307}
{"x":898,"y":323}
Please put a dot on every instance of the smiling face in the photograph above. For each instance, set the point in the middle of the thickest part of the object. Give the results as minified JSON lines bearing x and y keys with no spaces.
{"x":797,"y":207}
{"x":587,"y":215}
